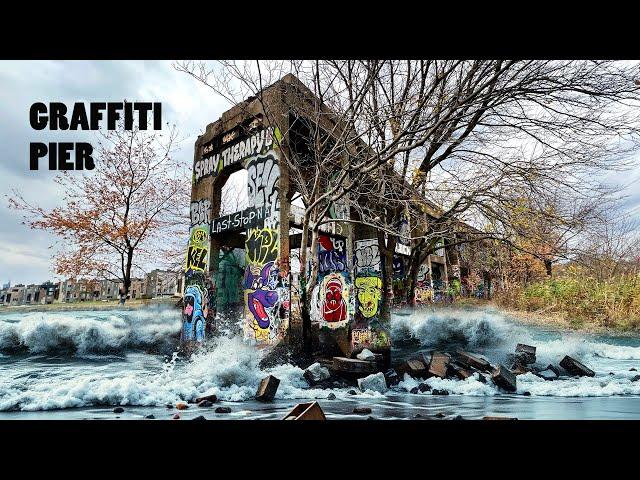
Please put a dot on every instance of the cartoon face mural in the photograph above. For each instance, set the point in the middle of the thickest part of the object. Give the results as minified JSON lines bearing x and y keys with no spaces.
{"x":334,"y":292}
{"x":369,"y":293}
{"x":194,"y":315}
{"x":332,"y":307}
{"x":260,"y":297}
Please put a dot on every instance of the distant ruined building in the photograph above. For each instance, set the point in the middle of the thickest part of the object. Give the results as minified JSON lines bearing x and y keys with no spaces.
{"x":246,"y":262}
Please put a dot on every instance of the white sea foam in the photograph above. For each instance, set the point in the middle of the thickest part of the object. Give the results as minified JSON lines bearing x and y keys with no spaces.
{"x":89,"y":332}
{"x":231,"y":369}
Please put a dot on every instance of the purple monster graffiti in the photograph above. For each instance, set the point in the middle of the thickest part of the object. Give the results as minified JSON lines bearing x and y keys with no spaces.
{"x":261,"y":294}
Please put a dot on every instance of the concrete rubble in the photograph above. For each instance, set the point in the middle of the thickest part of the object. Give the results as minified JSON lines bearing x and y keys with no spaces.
{"x":505,"y":379}
{"x":316,"y":373}
{"x":366,"y":355}
{"x":575,"y":368}
{"x":267,"y":389}
{"x":375,"y":382}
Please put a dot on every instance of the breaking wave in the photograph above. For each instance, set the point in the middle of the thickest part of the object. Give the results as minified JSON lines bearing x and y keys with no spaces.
{"x":108,"y":332}
{"x":232,"y":370}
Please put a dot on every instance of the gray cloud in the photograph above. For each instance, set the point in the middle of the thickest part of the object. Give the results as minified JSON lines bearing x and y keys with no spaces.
{"x":26,"y":256}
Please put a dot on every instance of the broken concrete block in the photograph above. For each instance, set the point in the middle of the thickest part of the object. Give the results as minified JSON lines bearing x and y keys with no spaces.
{"x":306,"y":411}
{"x":415,"y":367}
{"x":548,"y":374}
{"x":472,"y":361}
{"x":366,"y":355}
{"x":482,"y":378}
{"x":375,"y":382}
{"x":352,"y":365}
{"x":576,"y":368}
{"x":267,"y":389}
{"x":392,"y":377}
{"x":438,"y":364}
{"x":519,"y":369}
{"x":504,"y":378}
{"x":526,"y":354}
{"x":316,"y":373}
{"x":457,"y":371}
{"x":362,"y":410}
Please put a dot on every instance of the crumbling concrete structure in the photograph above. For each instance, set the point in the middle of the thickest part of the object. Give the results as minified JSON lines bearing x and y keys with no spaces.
{"x":257,"y":135}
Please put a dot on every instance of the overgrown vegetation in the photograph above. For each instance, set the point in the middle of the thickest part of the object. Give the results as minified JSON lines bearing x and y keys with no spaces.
{"x":582,"y":298}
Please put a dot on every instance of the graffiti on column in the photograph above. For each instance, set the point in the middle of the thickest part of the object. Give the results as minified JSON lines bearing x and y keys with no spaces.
{"x":368,"y":330}
{"x":423,"y":291}
{"x":266,"y":279}
{"x":196,"y":299}
{"x":333,"y":306}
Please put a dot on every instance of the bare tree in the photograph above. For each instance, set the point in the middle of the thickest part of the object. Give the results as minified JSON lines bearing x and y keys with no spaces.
{"x":121,"y":215}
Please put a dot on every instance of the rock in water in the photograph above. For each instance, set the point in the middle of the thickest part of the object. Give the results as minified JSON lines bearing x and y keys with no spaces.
{"x":118,"y":410}
{"x":267,"y":389}
{"x":424,"y":387}
{"x":636,"y":378}
{"x":199,"y":418}
{"x":223,"y":410}
{"x":504,"y":378}
{"x":392,"y":377}
{"x":576,"y":368}
{"x":210,"y":398}
{"x":316,"y":373}
{"x":331,"y":396}
{"x":362,"y":410}
{"x":472,"y":361}
{"x":182,"y":405}
{"x":375,"y":382}
{"x":176,"y":416}
{"x":435,"y":391}
{"x":525,"y":354}
{"x":352,"y":365}
{"x":352,"y":392}
{"x":150,"y":417}
{"x":205,"y":403}
{"x":366,"y":355}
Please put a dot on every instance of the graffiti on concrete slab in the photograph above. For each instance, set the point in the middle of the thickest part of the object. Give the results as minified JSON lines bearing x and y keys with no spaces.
{"x":212,"y":164}
{"x":263,"y":174}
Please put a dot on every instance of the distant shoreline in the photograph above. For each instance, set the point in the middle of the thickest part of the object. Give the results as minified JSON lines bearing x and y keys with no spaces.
{"x":92,"y":305}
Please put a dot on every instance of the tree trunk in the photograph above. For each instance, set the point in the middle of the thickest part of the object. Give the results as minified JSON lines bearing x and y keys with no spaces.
{"x":386,"y":253}
{"x":547,"y":265}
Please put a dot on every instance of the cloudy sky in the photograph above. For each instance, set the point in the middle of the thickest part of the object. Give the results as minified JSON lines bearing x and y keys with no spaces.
{"x":25,"y":254}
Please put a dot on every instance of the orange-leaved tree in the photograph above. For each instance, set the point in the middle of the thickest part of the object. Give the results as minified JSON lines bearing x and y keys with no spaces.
{"x":122,"y":216}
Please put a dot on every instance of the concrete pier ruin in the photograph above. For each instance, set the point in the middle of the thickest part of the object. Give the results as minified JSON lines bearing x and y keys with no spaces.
{"x":244,"y":262}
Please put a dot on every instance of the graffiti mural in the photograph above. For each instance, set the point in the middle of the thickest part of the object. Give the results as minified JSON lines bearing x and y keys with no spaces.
{"x":211,"y":163}
{"x":368,"y":330}
{"x":266,"y":287}
{"x":263,"y":175}
{"x":333,"y":302}
{"x":369,"y":293}
{"x":197,"y":298}
{"x":266,"y":280}
{"x":423,"y":292}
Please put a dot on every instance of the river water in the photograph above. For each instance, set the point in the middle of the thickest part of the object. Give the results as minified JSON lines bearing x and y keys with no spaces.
{"x":81,"y":364}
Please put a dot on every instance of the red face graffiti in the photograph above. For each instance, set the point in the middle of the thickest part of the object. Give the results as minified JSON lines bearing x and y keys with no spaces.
{"x":334,"y":308}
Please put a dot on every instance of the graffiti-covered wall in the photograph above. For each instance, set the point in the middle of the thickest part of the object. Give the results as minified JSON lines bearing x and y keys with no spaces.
{"x":369,"y":329}
{"x":333,"y":302}
{"x":197,"y":286}
{"x":267,"y":276}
